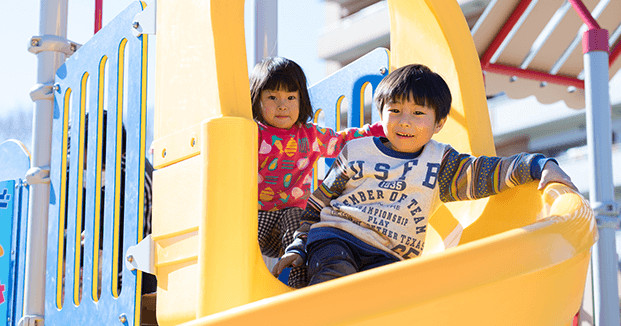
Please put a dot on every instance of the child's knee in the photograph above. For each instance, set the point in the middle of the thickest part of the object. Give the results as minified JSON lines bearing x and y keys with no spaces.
{"x":332,"y":258}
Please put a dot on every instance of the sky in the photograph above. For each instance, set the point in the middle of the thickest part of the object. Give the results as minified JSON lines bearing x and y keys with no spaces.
{"x":300,"y":22}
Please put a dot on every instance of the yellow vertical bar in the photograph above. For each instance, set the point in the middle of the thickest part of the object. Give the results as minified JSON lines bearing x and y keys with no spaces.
{"x":98,"y":162}
{"x":79,"y":193}
{"x":315,"y":173}
{"x":362,"y":90}
{"x":338,"y":113}
{"x":229,"y":214}
{"x":62,"y":211}
{"x":117,"y":176}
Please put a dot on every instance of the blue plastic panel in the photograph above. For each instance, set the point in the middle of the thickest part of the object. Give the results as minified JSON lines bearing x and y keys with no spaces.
{"x":107,"y":73}
{"x":7,"y":203}
{"x":342,"y":93}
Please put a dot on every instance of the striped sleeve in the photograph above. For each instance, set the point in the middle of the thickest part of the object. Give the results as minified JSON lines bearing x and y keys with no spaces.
{"x":331,"y":187}
{"x":465,"y":177}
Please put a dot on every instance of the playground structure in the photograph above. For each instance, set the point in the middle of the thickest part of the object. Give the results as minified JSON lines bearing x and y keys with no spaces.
{"x":522,"y":255}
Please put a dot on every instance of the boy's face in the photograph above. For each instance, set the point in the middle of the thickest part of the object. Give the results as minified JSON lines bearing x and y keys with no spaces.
{"x":409,"y":126}
{"x":280,"y":108}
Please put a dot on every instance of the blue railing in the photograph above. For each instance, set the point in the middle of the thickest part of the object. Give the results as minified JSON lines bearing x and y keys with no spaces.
{"x":106,"y":74}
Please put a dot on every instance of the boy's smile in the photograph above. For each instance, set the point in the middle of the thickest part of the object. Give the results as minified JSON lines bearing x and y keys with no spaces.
{"x":409,"y":126}
{"x":280,"y":108}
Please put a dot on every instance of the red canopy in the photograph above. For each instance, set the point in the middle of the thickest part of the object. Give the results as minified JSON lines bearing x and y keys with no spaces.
{"x":530,"y":47}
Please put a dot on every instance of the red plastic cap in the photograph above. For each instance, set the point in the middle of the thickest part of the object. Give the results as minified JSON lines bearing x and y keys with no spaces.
{"x":595,"y":40}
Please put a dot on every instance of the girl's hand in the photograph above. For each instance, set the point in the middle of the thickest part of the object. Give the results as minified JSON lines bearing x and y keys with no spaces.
{"x":553,"y":173}
{"x":290,"y":259}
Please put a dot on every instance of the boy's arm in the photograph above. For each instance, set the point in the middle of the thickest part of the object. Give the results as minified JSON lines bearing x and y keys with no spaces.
{"x":464,"y":177}
{"x":333,"y":141}
{"x":331,"y":187}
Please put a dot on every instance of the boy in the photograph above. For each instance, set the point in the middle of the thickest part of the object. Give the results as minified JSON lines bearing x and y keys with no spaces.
{"x":373,"y":207}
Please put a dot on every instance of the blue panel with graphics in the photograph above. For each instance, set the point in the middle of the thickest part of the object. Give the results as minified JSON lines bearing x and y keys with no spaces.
{"x":7,"y":200}
{"x":101,"y":91}
{"x":14,"y":162}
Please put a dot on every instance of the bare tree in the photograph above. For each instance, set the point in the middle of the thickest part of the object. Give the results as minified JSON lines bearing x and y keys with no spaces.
{"x":17,"y":124}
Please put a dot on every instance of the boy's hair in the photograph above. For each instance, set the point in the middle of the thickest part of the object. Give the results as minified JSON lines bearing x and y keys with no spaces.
{"x":278,"y":73}
{"x":417,"y":83}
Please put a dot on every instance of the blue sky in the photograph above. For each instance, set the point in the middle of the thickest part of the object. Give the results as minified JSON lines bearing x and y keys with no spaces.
{"x":19,"y":21}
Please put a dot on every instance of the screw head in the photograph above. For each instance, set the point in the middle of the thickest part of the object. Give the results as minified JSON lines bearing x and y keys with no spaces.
{"x":383,"y":70}
{"x":130,"y":258}
{"x":34,"y":42}
{"x":135,"y":25}
{"x":123,"y":318}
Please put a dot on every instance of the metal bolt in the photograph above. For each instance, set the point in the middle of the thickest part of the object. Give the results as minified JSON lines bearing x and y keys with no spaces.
{"x":123,"y":318}
{"x":34,"y":42}
{"x":383,"y":70}
{"x":135,"y":25}
{"x":73,"y":47}
{"x":130,"y":258}
{"x":56,"y":87}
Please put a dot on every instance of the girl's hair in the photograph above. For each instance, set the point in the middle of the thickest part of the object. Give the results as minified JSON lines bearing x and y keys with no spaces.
{"x":416,"y":83}
{"x":278,"y":73}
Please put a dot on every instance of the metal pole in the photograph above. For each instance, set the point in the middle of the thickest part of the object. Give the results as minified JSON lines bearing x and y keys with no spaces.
{"x":266,"y":45}
{"x":599,"y":141}
{"x":52,"y":28}
{"x":265,"y":29}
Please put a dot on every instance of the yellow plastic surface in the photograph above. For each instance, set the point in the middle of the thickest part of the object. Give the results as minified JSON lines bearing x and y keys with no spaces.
{"x":522,"y":258}
{"x":532,"y":275}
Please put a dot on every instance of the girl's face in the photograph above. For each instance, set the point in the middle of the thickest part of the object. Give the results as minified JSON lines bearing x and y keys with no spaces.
{"x":280,"y":108}
{"x":409,"y":126}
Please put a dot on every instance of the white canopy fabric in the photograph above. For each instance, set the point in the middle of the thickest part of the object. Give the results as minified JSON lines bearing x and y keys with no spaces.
{"x":546,"y":40}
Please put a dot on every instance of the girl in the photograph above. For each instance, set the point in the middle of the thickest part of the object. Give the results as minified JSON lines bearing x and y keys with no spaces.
{"x":289,"y":146}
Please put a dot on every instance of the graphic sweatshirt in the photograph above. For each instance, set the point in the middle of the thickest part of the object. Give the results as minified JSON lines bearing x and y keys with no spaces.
{"x":385,"y":198}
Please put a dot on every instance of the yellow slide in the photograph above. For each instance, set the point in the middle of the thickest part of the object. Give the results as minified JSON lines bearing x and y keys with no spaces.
{"x":519,"y":258}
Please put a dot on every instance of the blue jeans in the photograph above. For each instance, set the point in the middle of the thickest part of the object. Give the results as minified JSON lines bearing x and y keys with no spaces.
{"x":332,"y":258}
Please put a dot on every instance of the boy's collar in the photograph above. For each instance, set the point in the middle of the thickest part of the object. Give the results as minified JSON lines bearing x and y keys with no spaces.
{"x":380,"y":143}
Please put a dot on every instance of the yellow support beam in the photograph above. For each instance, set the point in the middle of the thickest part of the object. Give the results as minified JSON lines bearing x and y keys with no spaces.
{"x":435,"y":33}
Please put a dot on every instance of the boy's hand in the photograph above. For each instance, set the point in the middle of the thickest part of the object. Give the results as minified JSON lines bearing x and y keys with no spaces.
{"x":290,"y":259}
{"x":553,"y":173}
